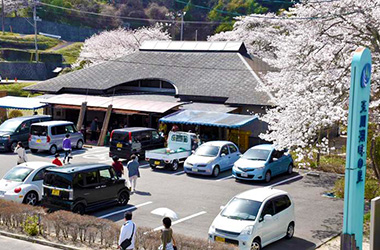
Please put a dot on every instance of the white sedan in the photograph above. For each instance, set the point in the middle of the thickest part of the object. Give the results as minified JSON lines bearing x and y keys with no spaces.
{"x":23,"y":183}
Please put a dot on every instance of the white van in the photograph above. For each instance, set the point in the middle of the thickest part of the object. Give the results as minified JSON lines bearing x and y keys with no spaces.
{"x":49,"y":136}
{"x":254,"y":219}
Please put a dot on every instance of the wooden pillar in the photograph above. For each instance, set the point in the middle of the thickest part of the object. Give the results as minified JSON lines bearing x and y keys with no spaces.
{"x":220,"y":131}
{"x":106,"y":121}
{"x":150,"y":120}
{"x":82,"y":112}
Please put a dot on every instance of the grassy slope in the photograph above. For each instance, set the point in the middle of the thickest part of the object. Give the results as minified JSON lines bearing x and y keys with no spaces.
{"x":15,"y":89}
{"x":71,"y":52}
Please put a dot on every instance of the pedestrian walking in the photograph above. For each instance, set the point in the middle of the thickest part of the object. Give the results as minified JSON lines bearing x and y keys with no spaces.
{"x":168,"y":242}
{"x":127,"y":233}
{"x":21,"y":154}
{"x":117,"y":166}
{"x":133,"y":172}
{"x":94,"y":129}
{"x":66,"y":145}
{"x":57,"y":161}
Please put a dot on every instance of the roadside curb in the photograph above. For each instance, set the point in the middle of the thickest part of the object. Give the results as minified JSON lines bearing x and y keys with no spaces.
{"x":87,"y":146}
{"x":38,"y":241}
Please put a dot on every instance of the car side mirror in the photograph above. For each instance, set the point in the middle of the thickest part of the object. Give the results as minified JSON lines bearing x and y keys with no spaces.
{"x":222,"y":207}
{"x":268,"y":217}
{"x":274,"y":159}
{"x":222,"y":155}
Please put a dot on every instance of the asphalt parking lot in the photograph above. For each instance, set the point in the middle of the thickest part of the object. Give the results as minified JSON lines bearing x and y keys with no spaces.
{"x":197,"y":199}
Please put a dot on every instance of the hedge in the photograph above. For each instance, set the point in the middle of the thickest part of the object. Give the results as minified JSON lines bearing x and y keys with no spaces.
{"x":22,"y":55}
{"x":83,"y":230}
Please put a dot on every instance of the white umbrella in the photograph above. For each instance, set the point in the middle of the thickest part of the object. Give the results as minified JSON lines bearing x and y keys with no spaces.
{"x":165,"y":212}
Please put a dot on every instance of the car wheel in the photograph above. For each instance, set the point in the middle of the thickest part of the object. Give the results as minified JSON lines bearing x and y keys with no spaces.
{"x":268,"y":176}
{"x":175,"y":165}
{"x":256,"y":245}
{"x":80,"y":144}
{"x":216,"y":171}
{"x":290,"y":168}
{"x":33,"y":150}
{"x":152,"y":166}
{"x":79,"y":209}
{"x":53,"y":150}
{"x":290,"y":231}
{"x":123,"y":198}
{"x":31,"y":198}
{"x":13,"y":146}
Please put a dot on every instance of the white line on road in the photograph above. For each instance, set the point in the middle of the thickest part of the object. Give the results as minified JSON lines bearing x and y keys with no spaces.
{"x":144,"y":166}
{"x":127,"y":209}
{"x":287,"y":180}
{"x":179,"y":173}
{"x":181,"y":220}
{"x":225,"y":178}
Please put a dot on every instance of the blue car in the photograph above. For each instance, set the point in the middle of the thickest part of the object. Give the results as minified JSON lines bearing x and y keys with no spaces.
{"x":262,"y":162}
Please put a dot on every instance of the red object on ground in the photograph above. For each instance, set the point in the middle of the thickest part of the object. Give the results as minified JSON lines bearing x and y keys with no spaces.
{"x":57,"y":162}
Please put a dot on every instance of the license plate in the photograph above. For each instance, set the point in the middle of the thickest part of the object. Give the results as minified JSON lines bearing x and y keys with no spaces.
{"x":244,"y":174}
{"x":220,"y":239}
{"x":194,"y":169}
{"x":157,"y":163}
{"x":55,"y":192}
{"x":119,"y":145}
{"x":38,"y":141}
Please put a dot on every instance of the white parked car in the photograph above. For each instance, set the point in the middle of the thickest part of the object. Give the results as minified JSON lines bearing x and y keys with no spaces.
{"x":23,"y":183}
{"x":254,"y":219}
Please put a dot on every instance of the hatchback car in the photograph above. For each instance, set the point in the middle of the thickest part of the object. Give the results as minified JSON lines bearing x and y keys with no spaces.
{"x":262,"y":162}
{"x":212,"y":157}
{"x":83,"y":187}
{"x":23,"y":183}
{"x":254,"y":219}
{"x":17,"y":129}
{"x":49,"y":136}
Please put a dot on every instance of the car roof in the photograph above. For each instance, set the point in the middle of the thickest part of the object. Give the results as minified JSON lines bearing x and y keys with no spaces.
{"x":24,"y":118}
{"x":264,"y":146}
{"x":217,"y":143}
{"x":51,"y":123}
{"x":79,"y":167}
{"x":260,"y":194}
{"x":36,"y":164}
{"x":133,"y":129}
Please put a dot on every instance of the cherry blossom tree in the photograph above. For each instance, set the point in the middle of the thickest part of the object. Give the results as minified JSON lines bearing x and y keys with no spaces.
{"x":311,"y":47}
{"x":110,"y":45}
{"x":15,"y":5}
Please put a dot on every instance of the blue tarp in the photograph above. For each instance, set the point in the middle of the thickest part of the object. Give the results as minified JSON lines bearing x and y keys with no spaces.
{"x":15,"y":102}
{"x":206,"y":118}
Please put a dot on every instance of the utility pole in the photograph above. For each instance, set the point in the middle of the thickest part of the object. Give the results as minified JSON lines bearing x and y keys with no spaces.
{"x":196,"y":35}
{"x":35,"y":28}
{"x":182,"y":16}
{"x":2,"y":16}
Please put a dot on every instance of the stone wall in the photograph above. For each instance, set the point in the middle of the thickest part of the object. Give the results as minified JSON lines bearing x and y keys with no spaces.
{"x":28,"y":70}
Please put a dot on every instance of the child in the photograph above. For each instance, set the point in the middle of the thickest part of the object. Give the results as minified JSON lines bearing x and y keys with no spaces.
{"x":57,"y":161}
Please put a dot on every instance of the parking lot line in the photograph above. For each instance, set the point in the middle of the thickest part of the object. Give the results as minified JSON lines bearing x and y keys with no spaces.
{"x":181,"y":220}
{"x":287,"y":180}
{"x":144,"y":166}
{"x":124,"y":210}
{"x":225,"y":178}
{"x":179,"y":173}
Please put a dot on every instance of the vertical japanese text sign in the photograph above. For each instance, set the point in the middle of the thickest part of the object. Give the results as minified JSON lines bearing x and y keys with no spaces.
{"x":357,"y":145}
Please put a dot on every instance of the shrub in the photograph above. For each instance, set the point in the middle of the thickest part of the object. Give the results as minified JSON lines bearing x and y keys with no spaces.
{"x":372,"y":189}
{"x":14,"y":114}
{"x":31,"y":225}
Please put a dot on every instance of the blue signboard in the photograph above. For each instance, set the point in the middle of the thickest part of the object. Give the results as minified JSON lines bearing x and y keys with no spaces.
{"x":356,"y":147}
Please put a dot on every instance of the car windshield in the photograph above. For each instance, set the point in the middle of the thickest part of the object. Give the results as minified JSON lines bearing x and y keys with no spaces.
{"x":206,"y":150}
{"x":38,"y":130}
{"x":9,"y":125}
{"x":256,"y":154}
{"x":241,"y":209}
{"x":18,"y":174}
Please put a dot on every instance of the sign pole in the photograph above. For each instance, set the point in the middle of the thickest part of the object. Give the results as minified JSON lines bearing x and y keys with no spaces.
{"x":352,"y":235}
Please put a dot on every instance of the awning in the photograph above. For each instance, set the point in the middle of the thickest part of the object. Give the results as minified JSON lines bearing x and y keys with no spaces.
{"x":208,"y":107}
{"x":118,"y":103}
{"x":218,"y":119}
{"x":15,"y":102}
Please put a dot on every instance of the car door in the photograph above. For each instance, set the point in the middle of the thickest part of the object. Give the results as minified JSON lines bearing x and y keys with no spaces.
{"x":74,"y":136}
{"x":224,"y":158}
{"x":282,"y":162}
{"x":281,"y":216}
{"x":145,"y":140}
{"x":267,"y":228}
{"x":57,"y":135}
{"x":107,"y":184}
{"x":274,"y":165}
{"x":92,"y":192}
{"x":23,"y":132}
{"x":234,"y":154}
{"x":156,"y":141}
{"x":38,"y":180}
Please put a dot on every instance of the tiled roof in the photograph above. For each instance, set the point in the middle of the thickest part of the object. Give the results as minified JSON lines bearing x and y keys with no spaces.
{"x":225,"y":75}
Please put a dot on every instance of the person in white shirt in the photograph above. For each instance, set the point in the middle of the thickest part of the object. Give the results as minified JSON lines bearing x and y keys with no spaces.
{"x":21,"y":155}
{"x":127,"y":231}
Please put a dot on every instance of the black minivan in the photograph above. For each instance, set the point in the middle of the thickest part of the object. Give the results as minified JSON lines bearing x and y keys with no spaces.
{"x":127,"y":141}
{"x":17,"y":129}
{"x":83,"y":187}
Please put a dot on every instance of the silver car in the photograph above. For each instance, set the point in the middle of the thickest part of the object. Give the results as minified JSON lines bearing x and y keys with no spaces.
{"x":49,"y":136}
{"x":212,"y":157}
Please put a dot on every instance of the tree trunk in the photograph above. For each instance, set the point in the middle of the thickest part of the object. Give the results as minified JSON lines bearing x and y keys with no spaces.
{"x":374,"y":164}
